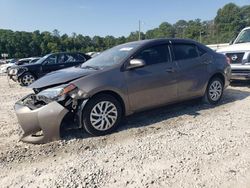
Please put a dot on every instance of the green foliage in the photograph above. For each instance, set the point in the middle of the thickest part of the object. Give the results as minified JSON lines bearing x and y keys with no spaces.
{"x":228,"y":22}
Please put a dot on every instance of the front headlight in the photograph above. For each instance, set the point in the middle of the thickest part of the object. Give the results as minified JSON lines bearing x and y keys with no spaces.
{"x":57,"y":93}
{"x":13,"y":71}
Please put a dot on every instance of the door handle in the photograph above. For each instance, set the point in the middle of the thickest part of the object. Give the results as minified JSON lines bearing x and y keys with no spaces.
{"x":170,"y":70}
{"x":61,"y":65}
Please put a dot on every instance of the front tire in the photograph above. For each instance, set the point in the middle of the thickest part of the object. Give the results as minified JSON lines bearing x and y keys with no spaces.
{"x":214,"y":91}
{"x":102,"y":115}
{"x":27,"y":78}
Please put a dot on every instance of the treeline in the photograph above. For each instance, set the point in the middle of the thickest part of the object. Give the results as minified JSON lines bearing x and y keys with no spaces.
{"x":228,"y":22}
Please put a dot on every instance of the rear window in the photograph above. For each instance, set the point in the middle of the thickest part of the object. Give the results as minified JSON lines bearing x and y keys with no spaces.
{"x":185,"y":51}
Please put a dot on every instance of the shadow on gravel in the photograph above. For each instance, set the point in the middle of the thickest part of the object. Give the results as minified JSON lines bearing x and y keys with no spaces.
{"x":192,"y":108}
{"x":147,"y":118}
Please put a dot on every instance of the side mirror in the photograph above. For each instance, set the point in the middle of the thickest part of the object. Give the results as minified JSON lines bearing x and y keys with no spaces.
{"x":136,"y":63}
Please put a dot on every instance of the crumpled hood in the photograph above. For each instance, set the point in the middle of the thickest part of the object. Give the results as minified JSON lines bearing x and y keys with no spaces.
{"x":60,"y":77}
{"x":236,"y":48}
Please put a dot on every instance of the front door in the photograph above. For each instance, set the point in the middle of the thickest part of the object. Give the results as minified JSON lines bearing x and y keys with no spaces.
{"x":154,"y":84}
{"x":49,"y":65}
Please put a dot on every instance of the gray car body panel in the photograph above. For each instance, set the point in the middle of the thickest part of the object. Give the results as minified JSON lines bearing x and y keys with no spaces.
{"x":60,"y":77}
{"x":139,"y":89}
{"x":46,"y":119}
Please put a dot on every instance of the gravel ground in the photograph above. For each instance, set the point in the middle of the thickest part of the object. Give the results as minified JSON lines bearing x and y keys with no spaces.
{"x":183,"y":145}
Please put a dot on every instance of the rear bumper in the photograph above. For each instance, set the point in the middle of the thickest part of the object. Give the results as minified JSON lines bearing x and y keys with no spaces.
{"x":46,"y":119}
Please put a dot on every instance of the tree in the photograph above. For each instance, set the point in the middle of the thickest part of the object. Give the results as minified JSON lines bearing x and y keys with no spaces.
{"x":229,"y":20}
{"x":180,"y":28}
{"x":56,"y":33}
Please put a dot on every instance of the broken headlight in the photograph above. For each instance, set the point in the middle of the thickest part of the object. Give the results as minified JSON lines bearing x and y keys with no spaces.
{"x":56,"y":93}
{"x":61,"y":92}
{"x":13,"y":71}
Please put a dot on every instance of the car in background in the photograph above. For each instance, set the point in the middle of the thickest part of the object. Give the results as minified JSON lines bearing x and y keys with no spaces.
{"x":238,"y":52}
{"x":2,"y":61}
{"x":27,"y":60}
{"x":121,"y":81}
{"x":5,"y":67}
{"x":93,"y":54}
{"x":26,"y":74}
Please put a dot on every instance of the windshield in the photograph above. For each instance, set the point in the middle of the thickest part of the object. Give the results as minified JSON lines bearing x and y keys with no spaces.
{"x":243,"y":37}
{"x":111,"y":57}
{"x":42,"y":59}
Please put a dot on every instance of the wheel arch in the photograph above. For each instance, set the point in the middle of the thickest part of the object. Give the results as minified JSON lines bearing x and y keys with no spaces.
{"x":27,"y":71}
{"x":115,"y":95}
{"x":218,"y":75}
{"x":24,"y":73}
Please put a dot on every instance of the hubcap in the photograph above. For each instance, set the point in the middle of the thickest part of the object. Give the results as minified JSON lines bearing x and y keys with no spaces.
{"x":103,"y":116}
{"x":215,"y":90}
{"x":28,"y":79}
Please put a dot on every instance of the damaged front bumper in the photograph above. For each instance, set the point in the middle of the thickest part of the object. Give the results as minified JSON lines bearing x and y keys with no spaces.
{"x":46,"y":120}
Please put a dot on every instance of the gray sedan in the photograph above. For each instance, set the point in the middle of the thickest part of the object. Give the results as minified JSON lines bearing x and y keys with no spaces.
{"x":121,"y":81}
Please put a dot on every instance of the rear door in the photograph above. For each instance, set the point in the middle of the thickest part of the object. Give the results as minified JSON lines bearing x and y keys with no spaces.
{"x":192,"y":69}
{"x":155,"y":83}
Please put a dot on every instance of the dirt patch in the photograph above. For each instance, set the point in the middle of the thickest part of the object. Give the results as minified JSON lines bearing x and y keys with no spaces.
{"x":183,"y":145}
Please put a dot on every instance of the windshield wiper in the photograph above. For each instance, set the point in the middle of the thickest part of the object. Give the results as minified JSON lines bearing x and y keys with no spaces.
{"x":91,"y":67}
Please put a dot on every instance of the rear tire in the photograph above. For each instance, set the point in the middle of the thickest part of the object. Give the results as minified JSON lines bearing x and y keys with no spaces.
{"x":214,"y":91}
{"x":102,"y":115}
{"x":27,"y":78}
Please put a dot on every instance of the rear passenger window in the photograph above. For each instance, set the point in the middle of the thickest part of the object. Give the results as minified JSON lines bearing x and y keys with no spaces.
{"x":185,"y":51}
{"x":154,"y":55}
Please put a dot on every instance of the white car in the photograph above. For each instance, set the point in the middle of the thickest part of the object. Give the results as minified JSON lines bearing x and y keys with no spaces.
{"x":238,"y":53}
{"x":27,"y":60}
{"x":4,"y":67}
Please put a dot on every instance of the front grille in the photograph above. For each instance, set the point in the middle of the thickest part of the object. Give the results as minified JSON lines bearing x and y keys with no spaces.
{"x":240,"y":71}
{"x":236,"y":58}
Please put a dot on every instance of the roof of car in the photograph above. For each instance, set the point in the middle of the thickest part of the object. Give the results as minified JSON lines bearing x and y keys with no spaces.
{"x":66,"y":53}
{"x":149,"y":42}
{"x":155,"y":41}
{"x":246,"y":28}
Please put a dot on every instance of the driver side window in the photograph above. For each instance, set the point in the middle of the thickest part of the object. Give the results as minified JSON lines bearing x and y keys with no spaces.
{"x":154,"y":55}
{"x":51,"y":60}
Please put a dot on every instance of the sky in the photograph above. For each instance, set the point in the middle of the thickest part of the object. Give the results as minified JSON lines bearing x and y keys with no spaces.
{"x":103,"y":17}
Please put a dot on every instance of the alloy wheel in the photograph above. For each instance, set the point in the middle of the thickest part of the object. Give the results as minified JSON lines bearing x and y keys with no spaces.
{"x":215,"y":90}
{"x":103,"y":116}
{"x":28,"y":79}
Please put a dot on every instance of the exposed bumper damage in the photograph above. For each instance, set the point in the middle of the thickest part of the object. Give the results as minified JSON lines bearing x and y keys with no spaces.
{"x":45,"y":119}
{"x":45,"y":114}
